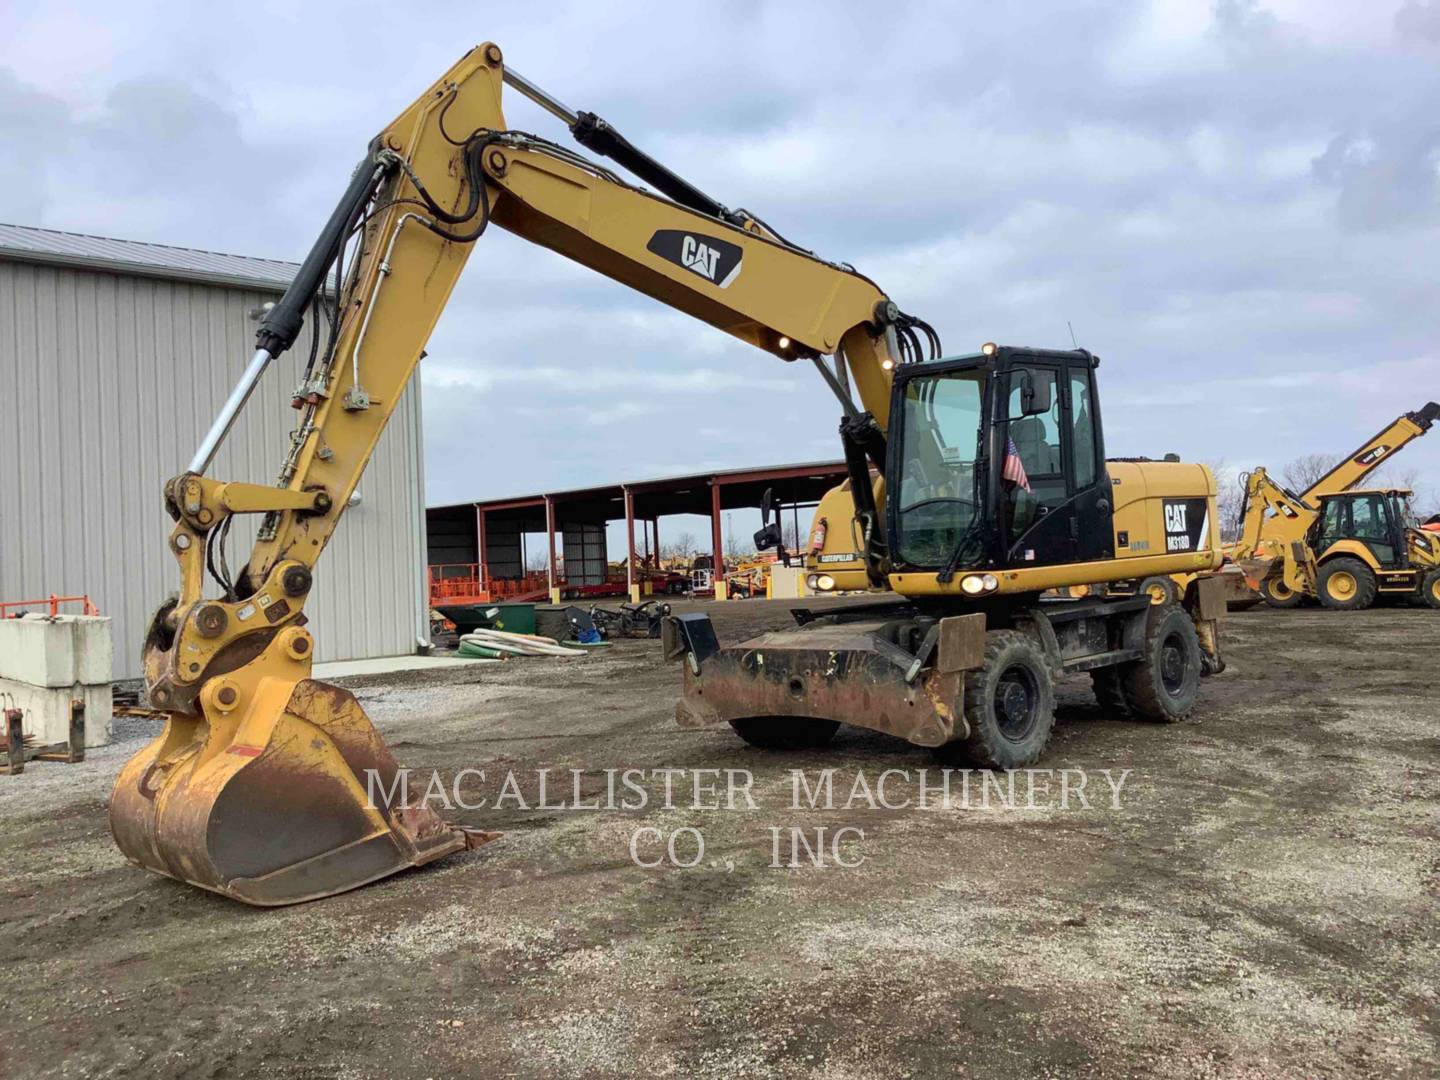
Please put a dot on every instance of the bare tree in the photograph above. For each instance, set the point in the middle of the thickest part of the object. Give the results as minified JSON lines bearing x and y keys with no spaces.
{"x":1392,"y":476}
{"x":733,"y":550}
{"x":682,"y":547}
{"x":1304,"y":471}
{"x":1229,"y":497}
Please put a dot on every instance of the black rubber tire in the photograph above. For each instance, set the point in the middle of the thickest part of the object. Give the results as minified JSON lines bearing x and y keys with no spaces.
{"x":1164,"y":683}
{"x":1430,"y":589}
{"x":1162,"y":584}
{"x":1015,"y":674}
{"x":1109,"y":690}
{"x":785,"y":732}
{"x":1343,"y":568}
{"x":1282,"y":599}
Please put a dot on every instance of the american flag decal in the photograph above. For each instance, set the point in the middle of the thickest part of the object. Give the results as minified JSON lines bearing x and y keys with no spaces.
{"x":1013,"y":471}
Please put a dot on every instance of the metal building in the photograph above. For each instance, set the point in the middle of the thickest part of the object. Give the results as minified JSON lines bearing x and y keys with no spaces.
{"x":114,"y":358}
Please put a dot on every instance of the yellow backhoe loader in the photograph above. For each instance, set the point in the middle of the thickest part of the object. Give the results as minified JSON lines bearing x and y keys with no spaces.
{"x":1353,"y":547}
{"x":1334,"y":541}
{"x":273,"y":788}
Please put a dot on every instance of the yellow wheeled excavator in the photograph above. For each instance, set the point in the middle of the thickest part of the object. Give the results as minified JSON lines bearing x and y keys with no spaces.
{"x":273,"y":788}
{"x":1336,"y":542}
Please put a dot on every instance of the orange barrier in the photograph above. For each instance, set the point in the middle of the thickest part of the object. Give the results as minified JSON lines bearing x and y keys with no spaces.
{"x":51,"y":603}
{"x":457,"y":583}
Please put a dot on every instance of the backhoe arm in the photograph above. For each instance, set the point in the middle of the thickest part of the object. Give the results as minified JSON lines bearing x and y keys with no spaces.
{"x":432,"y":182}
{"x":1360,"y":463}
{"x":1270,"y":514}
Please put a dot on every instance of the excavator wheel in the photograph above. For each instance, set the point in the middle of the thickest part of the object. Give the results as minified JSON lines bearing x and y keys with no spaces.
{"x":1163,"y":684}
{"x":1430,"y":589}
{"x":1346,"y":584}
{"x":1109,"y":690}
{"x":1277,"y":594}
{"x":1160,"y":589}
{"x":1009,"y":705}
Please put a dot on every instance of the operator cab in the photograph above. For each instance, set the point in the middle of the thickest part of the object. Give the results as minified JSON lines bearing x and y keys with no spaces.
{"x":997,"y":460}
{"x":1376,"y":518}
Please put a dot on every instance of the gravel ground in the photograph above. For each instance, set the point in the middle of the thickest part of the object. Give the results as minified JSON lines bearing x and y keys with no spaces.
{"x":1263,"y":902}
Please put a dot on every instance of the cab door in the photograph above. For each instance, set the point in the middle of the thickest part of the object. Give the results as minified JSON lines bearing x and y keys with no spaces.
{"x":1055,"y":493}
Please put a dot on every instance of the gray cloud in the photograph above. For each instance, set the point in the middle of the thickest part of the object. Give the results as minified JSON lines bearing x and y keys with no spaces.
{"x":1234,"y":205}
{"x":1419,"y":19}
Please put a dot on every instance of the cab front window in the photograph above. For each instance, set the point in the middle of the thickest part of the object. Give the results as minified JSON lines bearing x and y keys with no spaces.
{"x":938,"y":496}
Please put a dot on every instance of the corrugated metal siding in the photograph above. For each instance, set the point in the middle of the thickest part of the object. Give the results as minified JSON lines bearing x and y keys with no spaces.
{"x":108,"y":382}
{"x":29,"y":244}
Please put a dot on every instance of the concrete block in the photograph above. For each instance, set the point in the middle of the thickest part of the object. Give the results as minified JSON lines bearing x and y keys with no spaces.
{"x":38,"y":650}
{"x":787,"y":582}
{"x":47,"y":710}
{"x":94,"y":649}
{"x":56,"y":650}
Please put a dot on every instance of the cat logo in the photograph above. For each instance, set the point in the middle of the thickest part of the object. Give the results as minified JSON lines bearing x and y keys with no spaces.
{"x":715,"y":260}
{"x":699,"y":257}
{"x":1374,"y":454}
{"x":1187,"y":524}
{"x":1175,"y":518}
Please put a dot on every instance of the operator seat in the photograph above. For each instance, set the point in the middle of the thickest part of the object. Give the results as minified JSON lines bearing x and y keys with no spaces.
{"x":1039,"y":459}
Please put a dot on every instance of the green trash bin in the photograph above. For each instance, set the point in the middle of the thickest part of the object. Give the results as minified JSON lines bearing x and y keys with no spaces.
{"x":516,"y":618}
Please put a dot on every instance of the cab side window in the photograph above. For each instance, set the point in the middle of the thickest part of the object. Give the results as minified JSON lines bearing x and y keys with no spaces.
{"x":1037,"y":438}
{"x":1038,"y":485}
{"x":1370,"y":519}
{"x":1083,"y":427}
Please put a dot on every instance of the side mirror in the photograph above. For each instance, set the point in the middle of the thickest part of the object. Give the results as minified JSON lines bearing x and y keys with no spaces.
{"x":768,"y":537}
{"x":1035,"y":395}
{"x":771,"y":535}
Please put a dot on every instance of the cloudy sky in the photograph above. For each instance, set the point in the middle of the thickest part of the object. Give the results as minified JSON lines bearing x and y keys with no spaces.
{"x":1236,"y":204}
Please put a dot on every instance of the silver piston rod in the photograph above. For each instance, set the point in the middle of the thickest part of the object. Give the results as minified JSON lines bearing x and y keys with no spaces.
{"x":566,"y":115}
{"x":230,"y":411}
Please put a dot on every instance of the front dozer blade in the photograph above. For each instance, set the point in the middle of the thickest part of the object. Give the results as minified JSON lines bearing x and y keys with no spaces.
{"x":1240,"y":583}
{"x":290,"y":798}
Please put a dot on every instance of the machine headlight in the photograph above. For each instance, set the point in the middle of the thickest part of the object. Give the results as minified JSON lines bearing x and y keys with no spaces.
{"x":989,"y":348}
{"x":812,"y":581}
{"x":825,"y":583}
{"x":975,"y":584}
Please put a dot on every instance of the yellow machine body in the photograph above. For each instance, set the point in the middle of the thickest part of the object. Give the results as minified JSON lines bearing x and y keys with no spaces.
{"x":272,"y":788}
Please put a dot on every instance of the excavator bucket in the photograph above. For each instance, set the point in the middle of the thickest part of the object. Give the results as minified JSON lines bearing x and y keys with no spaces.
{"x":289,"y":795}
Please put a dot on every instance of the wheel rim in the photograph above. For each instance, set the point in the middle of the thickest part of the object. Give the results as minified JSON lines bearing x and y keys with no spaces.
{"x":1157,"y":593}
{"x":1017,"y":702}
{"x":1342,"y":585}
{"x":1278,"y":590}
{"x":1435,"y":590}
{"x":1174,"y":664}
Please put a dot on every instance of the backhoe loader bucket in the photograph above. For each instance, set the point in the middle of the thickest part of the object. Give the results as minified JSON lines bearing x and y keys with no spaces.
{"x":289,"y":796}
{"x":1240,"y":589}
